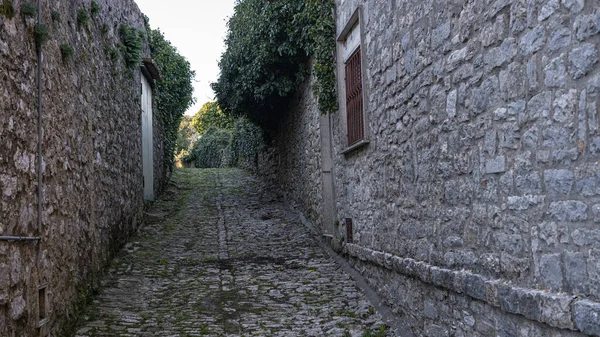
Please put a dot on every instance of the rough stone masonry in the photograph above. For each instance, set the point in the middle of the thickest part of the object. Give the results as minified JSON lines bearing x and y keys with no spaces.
{"x":476,"y":203}
{"x":92,"y":172}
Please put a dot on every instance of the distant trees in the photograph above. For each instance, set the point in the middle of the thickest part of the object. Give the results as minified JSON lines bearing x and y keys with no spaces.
{"x":211,"y":115}
{"x":223,"y":141}
{"x":186,"y":137}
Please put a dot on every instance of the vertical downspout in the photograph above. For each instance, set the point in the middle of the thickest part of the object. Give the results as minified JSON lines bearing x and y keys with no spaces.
{"x":40,"y":127}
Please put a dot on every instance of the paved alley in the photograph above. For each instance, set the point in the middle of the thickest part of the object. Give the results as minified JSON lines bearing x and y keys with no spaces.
{"x":219,"y":255}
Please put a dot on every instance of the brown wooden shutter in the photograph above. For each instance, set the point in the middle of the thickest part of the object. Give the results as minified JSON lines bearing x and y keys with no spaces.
{"x":354,"y":99}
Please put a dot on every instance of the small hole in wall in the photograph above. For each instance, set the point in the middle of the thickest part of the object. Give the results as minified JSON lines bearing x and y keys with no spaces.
{"x":42,"y":305}
{"x":349,"y":238}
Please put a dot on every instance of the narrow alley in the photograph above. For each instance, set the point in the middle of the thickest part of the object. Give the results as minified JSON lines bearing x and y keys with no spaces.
{"x":220,"y":255}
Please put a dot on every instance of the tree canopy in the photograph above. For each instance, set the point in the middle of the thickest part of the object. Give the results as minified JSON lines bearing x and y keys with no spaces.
{"x":268,"y":46}
{"x":210,"y":115}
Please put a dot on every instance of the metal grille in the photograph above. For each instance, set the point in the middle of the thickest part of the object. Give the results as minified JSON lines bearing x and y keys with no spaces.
{"x":354,"y":99}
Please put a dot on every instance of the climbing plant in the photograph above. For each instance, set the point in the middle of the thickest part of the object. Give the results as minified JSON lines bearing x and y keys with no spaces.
{"x":268,"y":46}
{"x":7,"y":9}
{"x":174,"y":91}
{"x":132,"y":45}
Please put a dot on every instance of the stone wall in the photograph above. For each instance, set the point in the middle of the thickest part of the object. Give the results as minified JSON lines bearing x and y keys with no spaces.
{"x":92,"y":172}
{"x":476,"y":203}
{"x":484,"y":145}
{"x":292,"y":161}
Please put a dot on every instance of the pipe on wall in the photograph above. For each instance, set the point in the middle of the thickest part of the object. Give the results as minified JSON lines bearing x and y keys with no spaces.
{"x":40,"y":128}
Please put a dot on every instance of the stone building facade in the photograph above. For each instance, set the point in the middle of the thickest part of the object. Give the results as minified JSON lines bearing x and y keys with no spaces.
{"x":91,"y":148}
{"x":474,"y":195}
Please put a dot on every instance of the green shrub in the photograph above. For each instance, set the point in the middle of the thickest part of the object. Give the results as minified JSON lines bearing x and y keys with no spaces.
{"x":132,"y":45}
{"x":104,"y":29}
{"x":55,"y":15}
{"x":41,"y":35}
{"x":219,"y":147}
{"x":95,"y":8}
{"x":7,"y":9}
{"x":82,"y":18}
{"x":28,"y":10}
{"x":246,"y":142}
{"x":212,"y":149}
{"x":66,"y":51}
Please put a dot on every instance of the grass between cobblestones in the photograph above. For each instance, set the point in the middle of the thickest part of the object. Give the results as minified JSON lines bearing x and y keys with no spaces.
{"x":221,"y":255}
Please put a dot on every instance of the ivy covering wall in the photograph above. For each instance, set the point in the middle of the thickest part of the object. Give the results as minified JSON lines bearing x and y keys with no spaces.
{"x":174,"y":91}
{"x":268,"y":48}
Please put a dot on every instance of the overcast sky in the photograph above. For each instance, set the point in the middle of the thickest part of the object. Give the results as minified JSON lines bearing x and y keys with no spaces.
{"x":197,"y":28}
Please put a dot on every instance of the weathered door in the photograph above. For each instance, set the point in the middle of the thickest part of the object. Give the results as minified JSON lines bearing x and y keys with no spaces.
{"x":147,"y":141}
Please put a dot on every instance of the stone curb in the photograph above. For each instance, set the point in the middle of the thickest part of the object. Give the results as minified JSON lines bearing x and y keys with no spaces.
{"x":557,"y":310}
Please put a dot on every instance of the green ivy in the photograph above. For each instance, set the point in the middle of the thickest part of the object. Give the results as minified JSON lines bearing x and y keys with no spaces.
{"x":41,"y":35}
{"x":268,"y":46}
{"x":55,"y":15}
{"x":7,"y":9}
{"x":132,"y":45}
{"x":28,"y":10}
{"x":82,"y":18}
{"x":66,"y":51}
{"x":95,"y":9}
{"x":174,"y":91}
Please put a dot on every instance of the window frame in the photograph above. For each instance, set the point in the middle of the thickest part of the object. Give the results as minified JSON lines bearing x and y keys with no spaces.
{"x":352,"y":30}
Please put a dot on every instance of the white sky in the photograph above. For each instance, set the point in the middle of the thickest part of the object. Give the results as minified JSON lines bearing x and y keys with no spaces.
{"x":197,"y":29}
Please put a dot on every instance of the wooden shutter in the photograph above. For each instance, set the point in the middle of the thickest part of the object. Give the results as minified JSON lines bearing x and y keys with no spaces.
{"x":354,"y":99}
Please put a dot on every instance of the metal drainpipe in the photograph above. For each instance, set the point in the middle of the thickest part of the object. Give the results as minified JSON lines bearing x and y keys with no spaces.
{"x":40,"y":127}
{"x":39,"y":148}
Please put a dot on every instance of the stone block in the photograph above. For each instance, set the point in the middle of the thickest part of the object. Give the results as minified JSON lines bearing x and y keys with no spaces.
{"x":539,"y":106}
{"x":508,"y":297}
{"x":513,"y":81}
{"x":576,"y":276}
{"x":555,"y":73}
{"x":422,"y":271}
{"x":18,"y":307}
{"x":474,"y":286}
{"x":440,"y":34}
{"x":521,"y":203}
{"x":495,"y":165}
{"x":520,"y":301}
{"x":586,"y":25}
{"x":491,"y":292}
{"x":429,"y":309}
{"x":570,"y":210}
{"x":551,"y":275}
{"x":533,"y":40}
{"x":556,"y":310}
{"x":442,"y":278}
{"x":559,"y":182}
{"x":586,"y":315}
{"x":575,"y":6}
{"x":559,"y":38}
{"x":388,"y":261}
{"x":582,"y":60}
{"x":548,"y":9}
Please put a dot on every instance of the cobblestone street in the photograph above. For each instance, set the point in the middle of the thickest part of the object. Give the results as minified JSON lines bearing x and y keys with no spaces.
{"x":219,"y":255}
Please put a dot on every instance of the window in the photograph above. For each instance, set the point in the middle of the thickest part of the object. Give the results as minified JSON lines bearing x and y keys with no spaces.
{"x":352,"y":101}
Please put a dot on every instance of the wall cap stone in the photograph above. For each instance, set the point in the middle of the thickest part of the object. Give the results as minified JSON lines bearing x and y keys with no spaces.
{"x":561,"y":311}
